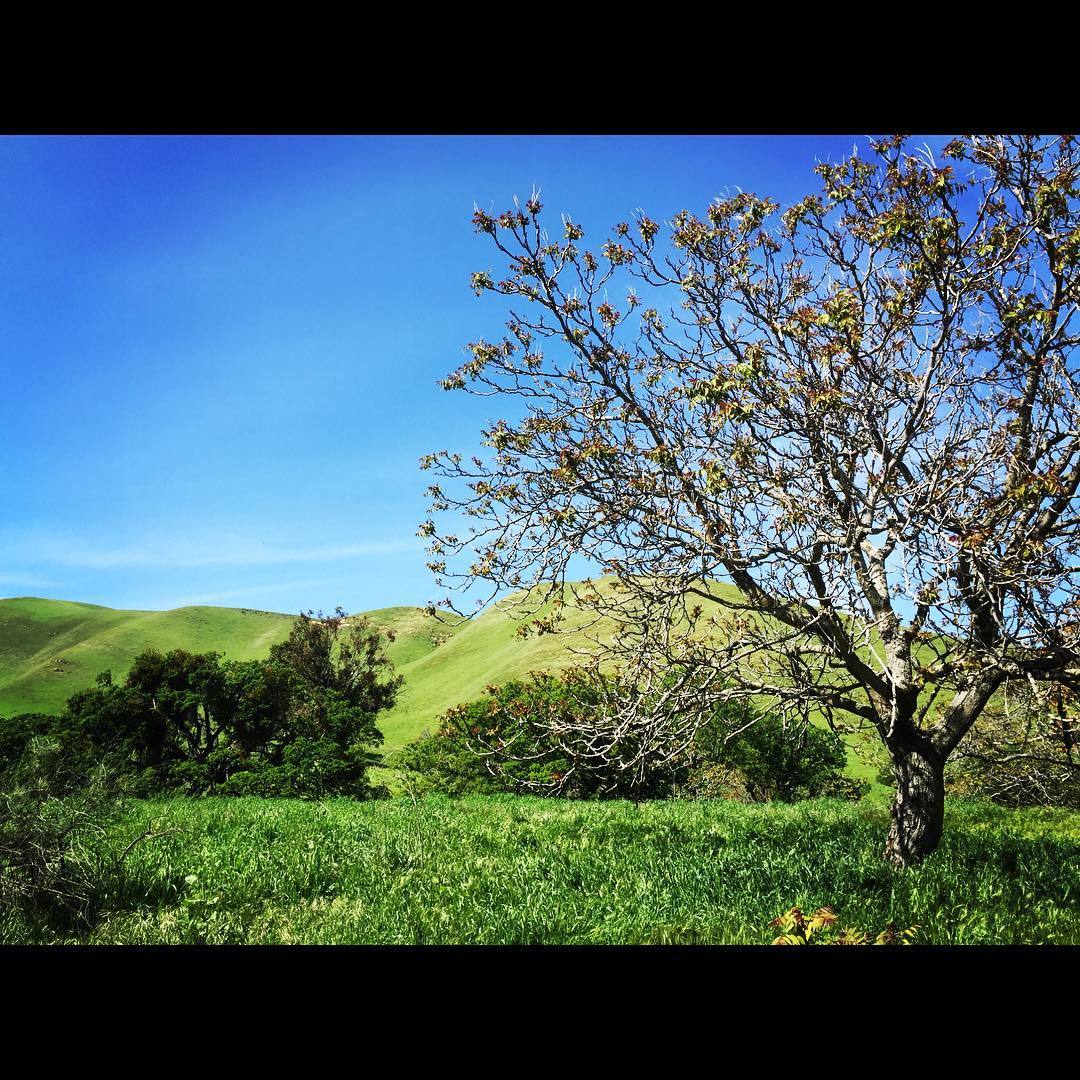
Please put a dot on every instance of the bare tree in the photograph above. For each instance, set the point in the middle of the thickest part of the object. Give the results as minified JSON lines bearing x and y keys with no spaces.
{"x":829,"y":454}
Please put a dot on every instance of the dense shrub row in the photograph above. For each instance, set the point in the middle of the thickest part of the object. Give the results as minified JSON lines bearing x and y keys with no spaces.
{"x":734,"y":755}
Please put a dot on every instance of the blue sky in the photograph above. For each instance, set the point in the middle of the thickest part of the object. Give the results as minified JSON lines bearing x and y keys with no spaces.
{"x":220,"y":355}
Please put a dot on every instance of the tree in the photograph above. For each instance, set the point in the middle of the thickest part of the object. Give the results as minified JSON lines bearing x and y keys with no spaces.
{"x":344,"y":657}
{"x":301,"y":723}
{"x":343,"y":680}
{"x":858,"y":412}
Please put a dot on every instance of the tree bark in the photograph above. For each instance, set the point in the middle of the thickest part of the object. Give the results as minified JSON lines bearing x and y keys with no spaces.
{"x":918,"y":811}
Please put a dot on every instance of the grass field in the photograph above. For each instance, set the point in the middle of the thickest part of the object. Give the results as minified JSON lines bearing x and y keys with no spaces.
{"x":515,"y":870}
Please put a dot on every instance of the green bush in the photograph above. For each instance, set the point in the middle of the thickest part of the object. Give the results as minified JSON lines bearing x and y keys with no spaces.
{"x":765,"y":761}
{"x":309,"y":769}
{"x":441,"y":761}
{"x":844,"y":787}
{"x":461,"y":758}
{"x":55,"y":824}
{"x":776,"y":762}
{"x":17,"y":732}
{"x":1025,"y":755}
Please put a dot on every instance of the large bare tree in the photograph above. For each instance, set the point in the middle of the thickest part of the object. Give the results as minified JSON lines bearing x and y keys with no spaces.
{"x":829,"y":453}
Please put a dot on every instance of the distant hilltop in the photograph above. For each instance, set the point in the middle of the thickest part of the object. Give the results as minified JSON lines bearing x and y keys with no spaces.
{"x":49,"y":649}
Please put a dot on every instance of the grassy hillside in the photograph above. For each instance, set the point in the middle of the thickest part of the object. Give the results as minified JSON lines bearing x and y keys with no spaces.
{"x":49,"y":649}
{"x":473,"y":654}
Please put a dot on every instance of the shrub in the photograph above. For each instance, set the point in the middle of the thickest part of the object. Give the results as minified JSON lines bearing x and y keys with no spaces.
{"x":503,"y":743}
{"x":472,"y":752}
{"x":1028,"y":755}
{"x":441,"y":761}
{"x":16,"y":733}
{"x":55,"y":819}
{"x":308,"y":769}
{"x":733,"y":756}
{"x":768,"y":760}
{"x":844,"y":787}
{"x":820,"y":928}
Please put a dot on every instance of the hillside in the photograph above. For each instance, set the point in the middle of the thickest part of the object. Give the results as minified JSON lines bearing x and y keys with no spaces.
{"x":472,"y":654}
{"x":51,"y":648}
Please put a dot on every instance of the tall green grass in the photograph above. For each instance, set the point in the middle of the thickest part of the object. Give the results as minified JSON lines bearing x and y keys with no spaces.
{"x":512,"y":870}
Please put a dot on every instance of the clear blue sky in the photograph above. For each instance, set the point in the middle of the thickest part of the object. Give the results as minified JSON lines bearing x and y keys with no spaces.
{"x":220,"y":355}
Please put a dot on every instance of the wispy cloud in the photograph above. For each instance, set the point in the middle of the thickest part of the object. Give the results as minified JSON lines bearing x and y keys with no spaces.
{"x":256,"y":590}
{"x":195,"y":552}
{"x":27,"y":581}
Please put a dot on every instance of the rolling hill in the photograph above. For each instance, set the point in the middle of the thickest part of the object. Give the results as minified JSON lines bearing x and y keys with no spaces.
{"x":49,"y":649}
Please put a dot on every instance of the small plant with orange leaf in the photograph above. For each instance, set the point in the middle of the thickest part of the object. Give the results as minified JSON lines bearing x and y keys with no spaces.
{"x":819,"y":928}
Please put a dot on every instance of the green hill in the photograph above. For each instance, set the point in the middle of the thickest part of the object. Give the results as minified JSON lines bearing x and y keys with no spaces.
{"x":49,"y":649}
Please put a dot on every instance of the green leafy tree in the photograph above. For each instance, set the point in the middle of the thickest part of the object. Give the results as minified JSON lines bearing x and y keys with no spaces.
{"x":120,"y":720}
{"x":342,"y":655}
{"x":302,"y":723}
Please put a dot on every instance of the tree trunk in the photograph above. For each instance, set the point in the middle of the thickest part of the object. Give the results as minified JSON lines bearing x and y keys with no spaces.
{"x":918,"y":811}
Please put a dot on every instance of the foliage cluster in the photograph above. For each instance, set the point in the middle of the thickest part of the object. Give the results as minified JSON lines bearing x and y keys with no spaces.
{"x":56,"y":819}
{"x":736,"y":755}
{"x":1028,"y":757}
{"x":300,"y":723}
{"x":820,"y":928}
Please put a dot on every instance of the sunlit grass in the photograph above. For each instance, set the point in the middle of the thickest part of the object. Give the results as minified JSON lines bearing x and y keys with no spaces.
{"x":515,"y":870}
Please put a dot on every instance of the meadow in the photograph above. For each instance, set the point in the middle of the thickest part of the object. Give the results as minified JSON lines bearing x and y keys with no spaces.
{"x":515,"y":870}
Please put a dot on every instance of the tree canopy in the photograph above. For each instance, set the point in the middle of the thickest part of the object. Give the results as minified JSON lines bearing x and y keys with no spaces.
{"x":300,"y":723}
